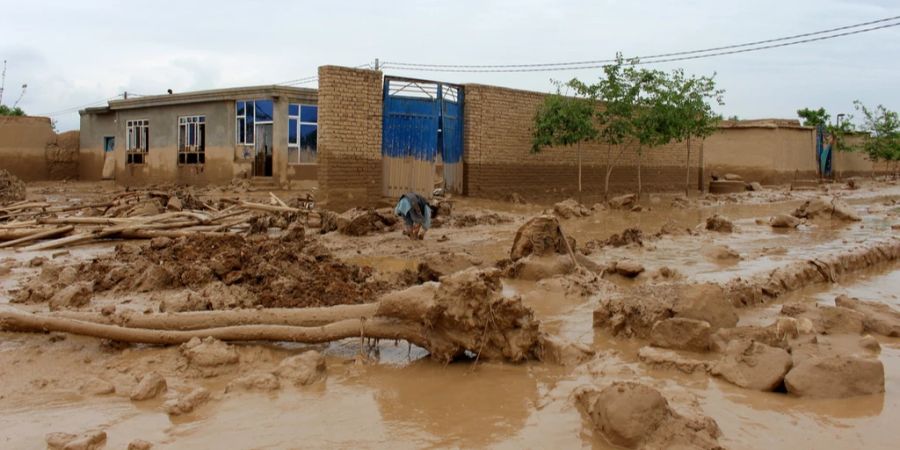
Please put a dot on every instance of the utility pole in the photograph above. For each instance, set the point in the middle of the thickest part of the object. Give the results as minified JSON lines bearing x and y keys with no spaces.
{"x":377,"y":64}
{"x":2,"y":81}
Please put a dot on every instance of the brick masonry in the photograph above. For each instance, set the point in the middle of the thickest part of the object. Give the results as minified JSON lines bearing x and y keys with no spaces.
{"x":498,"y":158}
{"x":349,"y":140}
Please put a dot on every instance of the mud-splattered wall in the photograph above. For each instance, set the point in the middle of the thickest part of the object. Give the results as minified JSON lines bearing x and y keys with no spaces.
{"x":349,"y":140}
{"x":765,"y":151}
{"x":32,"y":151}
{"x":498,"y":157}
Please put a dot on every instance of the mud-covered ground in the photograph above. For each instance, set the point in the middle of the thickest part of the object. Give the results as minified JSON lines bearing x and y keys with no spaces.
{"x":391,"y":394}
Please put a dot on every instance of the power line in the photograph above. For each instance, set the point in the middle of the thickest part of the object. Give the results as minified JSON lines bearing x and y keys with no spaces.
{"x":76,"y":108}
{"x":593,"y":64}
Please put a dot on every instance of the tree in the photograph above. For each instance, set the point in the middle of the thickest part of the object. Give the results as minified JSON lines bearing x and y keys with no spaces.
{"x":813,"y":117}
{"x":651,"y":125}
{"x":7,"y":111}
{"x":563,"y":121}
{"x":882,"y":133}
{"x":688,"y":102}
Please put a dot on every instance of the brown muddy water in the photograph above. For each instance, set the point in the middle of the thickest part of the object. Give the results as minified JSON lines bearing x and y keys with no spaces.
{"x":399,"y":398}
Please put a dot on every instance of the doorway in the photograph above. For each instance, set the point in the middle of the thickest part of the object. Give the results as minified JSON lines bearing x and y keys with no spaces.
{"x":262,"y":161}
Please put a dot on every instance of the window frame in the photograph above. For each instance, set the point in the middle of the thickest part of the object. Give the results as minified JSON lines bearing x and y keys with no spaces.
{"x":137,"y":141}
{"x":198,"y":124}
{"x":298,"y":124}
{"x":251,"y":112}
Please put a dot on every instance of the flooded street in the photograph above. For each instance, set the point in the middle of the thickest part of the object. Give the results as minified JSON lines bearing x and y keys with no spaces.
{"x":387,"y":393}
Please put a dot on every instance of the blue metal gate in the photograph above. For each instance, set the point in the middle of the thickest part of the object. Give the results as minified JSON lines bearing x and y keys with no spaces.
{"x":421,"y":136}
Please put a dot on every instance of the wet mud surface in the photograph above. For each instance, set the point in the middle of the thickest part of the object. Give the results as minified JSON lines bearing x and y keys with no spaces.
{"x":370,"y":393}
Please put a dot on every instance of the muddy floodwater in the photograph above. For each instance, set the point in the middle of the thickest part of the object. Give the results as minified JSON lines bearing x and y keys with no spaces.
{"x":384,"y":393}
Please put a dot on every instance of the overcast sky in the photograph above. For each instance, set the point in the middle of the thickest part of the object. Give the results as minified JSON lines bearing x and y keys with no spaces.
{"x":75,"y":52}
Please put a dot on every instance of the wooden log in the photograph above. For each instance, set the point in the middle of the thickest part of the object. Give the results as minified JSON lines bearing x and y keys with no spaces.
{"x":39,"y":235}
{"x":278,"y":200}
{"x":85,"y":220}
{"x":268,"y":208}
{"x":16,"y":225}
{"x":377,"y":328}
{"x":62,"y":242}
{"x":173,"y":234}
{"x":301,"y":317}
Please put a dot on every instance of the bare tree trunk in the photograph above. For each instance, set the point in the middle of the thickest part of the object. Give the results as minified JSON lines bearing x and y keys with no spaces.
{"x":579,"y":171}
{"x":687,"y":170}
{"x":640,"y":185}
{"x":608,"y":171}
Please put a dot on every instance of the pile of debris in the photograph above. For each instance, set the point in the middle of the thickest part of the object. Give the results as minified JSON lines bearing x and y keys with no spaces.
{"x":12,"y":189}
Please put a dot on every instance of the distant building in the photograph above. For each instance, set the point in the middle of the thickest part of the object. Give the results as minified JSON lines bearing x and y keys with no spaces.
{"x":203,"y":137}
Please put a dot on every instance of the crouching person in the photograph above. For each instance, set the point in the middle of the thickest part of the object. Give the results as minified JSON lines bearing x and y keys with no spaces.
{"x":416,"y":213}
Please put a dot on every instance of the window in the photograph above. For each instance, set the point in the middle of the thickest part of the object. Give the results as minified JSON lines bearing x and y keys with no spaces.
{"x":250,"y":113}
{"x":303,"y":127}
{"x":138,"y":135}
{"x":191,"y":140}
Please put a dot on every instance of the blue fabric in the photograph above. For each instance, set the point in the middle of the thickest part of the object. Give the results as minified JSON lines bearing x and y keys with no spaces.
{"x":427,"y":223}
{"x":413,"y":215}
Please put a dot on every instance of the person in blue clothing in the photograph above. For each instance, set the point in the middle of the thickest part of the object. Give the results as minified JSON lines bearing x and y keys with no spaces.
{"x":416,"y":213}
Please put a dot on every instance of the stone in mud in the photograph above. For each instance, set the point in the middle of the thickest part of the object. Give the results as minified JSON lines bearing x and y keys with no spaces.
{"x":633,"y":415}
{"x":260,"y":381}
{"x":681,"y":334}
{"x":667,"y":359}
{"x":732,"y":177}
{"x":72,"y":296}
{"x":151,"y":385}
{"x":174,"y":204}
{"x":754,"y":186}
{"x":187,"y":403}
{"x":784,"y":221}
{"x":140,"y":444}
{"x":623,"y":201}
{"x":878,"y":318}
{"x":836,"y":377}
{"x":91,"y":440}
{"x":827,"y":319}
{"x":629,"y":268}
{"x":154,"y":278}
{"x":705,"y":302}
{"x":303,"y":369}
{"x":752,"y":365}
{"x":535,"y":268}
{"x":209,"y":352}
{"x":720,"y":224}
{"x":539,"y":236}
{"x":564,"y":352}
{"x":570,"y":208}
{"x":828,"y":208}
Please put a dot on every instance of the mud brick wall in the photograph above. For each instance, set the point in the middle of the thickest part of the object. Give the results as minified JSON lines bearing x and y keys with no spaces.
{"x":349,"y":139}
{"x":32,"y":151}
{"x":498,"y":158}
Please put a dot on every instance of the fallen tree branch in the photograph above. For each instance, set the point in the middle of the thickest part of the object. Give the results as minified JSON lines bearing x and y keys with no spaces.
{"x":39,"y":235}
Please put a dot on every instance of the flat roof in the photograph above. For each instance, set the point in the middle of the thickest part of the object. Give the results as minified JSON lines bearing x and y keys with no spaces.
{"x":212,"y":95}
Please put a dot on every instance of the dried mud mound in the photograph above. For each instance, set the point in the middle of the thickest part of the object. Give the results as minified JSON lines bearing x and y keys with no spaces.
{"x":286,"y":272}
{"x":539,"y":236}
{"x":12,"y":189}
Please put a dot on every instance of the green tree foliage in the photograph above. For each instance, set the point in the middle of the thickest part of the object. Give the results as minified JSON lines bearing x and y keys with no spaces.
{"x":7,"y":111}
{"x":563,"y":121}
{"x":882,"y":133}
{"x":813,"y":117}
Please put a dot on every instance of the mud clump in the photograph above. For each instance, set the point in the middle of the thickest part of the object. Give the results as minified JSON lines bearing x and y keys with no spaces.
{"x":272,"y":272}
{"x":878,"y":318}
{"x":753,"y":365}
{"x":784,"y":221}
{"x":628,"y":268}
{"x":469,"y":312}
{"x":187,"y":403}
{"x":151,"y":385}
{"x":719,"y":224}
{"x":681,"y":334}
{"x":827,"y":319}
{"x":631,"y":236}
{"x":473,"y":219}
{"x":836,"y":377}
{"x":12,"y":189}
{"x":303,"y":369}
{"x":72,"y":296}
{"x":260,"y":381}
{"x":91,"y":440}
{"x":827,"y":207}
{"x":626,"y":201}
{"x":539,"y":236}
{"x":636,"y":416}
{"x":209,"y":353}
{"x":359,"y":222}
{"x":568,"y":209}
{"x":139,"y":444}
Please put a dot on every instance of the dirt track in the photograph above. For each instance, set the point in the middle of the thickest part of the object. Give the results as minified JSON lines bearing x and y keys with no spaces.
{"x":379,"y":393}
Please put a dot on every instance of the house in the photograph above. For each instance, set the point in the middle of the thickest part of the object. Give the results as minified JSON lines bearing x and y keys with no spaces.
{"x":203,"y":137}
